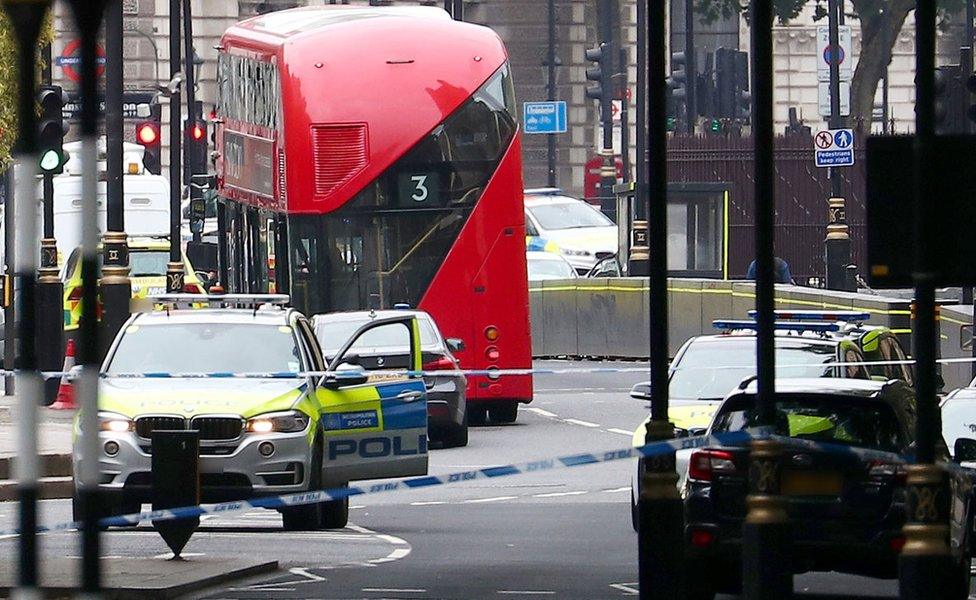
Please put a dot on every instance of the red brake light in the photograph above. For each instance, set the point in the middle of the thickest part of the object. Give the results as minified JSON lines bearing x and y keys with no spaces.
{"x":192,"y":288}
{"x":492,"y":353}
{"x":701,"y":538}
{"x":706,"y":462}
{"x":897,"y":544}
{"x":441,"y":364}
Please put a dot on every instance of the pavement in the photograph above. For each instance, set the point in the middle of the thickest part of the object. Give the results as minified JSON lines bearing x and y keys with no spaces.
{"x":54,"y":443}
{"x":124,"y":578}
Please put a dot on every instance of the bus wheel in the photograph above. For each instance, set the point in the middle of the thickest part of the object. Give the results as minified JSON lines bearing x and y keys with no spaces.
{"x":477,"y":415}
{"x":504,"y":412}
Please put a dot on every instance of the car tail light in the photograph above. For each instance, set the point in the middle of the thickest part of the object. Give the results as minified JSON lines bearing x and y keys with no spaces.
{"x":192,"y":288}
{"x":897,"y":543}
{"x":491,"y":333}
{"x":443,"y":363}
{"x":706,"y":462}
{"x":886,"y":470}
{"x":492,"y":353}
{"x":701,"y":538}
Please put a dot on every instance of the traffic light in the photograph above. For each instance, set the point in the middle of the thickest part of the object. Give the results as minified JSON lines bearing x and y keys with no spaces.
{"x":196,"y":145}
{"x":725,"y":82}
{"x":743,"y":99}
{"x":679,"y":77}
{"x":148,"y":136}
{"x":51,"y":129}
{"x":202,"y":185}
{"x":600,"y":73}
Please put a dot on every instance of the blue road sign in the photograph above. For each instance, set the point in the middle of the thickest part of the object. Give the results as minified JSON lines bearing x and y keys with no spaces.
{"x":544,"y":117}
{"x":834,"y":148}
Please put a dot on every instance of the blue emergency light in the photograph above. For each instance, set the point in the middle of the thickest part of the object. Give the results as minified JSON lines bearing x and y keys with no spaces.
{"x":401,"y":306}
{"x":846,"y":316}
{"x":728,"y":325}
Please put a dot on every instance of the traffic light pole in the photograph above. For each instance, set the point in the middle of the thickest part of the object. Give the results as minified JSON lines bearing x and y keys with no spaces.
{"x":116,"y":288}
{"x":551,"y":88}
{"x":27,"y":18}
{"x":838,"y":241}
{"x":50,"y":291}
{"x":926,"y":568}
{"x":174,"y":269}
{"x":608,"y":169}
{"x":690,"y":68}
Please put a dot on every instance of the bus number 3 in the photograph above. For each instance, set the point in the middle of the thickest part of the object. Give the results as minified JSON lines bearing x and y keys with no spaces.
{"x":420,"y":183}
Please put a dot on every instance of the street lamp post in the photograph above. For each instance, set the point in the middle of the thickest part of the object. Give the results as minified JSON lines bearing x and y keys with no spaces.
{"x":174,"y":269}
{"x":27,"y":19}
{"x":116,"y":288}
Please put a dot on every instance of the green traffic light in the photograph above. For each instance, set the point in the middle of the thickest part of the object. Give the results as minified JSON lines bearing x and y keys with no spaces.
{"x":715,"y":126}
{"x":50,"y":160}
{"x":672,"y":124}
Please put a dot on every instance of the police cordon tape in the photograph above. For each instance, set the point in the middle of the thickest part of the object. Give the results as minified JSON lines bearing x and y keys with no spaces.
{"x":492,"y":373}
{"x":313,"y":497}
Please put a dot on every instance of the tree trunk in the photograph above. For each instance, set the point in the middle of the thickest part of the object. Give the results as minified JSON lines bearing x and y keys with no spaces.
{"x":876,"y":29}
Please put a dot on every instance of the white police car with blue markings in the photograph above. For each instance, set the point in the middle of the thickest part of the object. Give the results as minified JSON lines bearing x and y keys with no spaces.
{"x":268,"y":425}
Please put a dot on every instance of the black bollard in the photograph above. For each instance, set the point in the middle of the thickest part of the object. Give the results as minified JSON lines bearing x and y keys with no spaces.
{"x":175,"y":483}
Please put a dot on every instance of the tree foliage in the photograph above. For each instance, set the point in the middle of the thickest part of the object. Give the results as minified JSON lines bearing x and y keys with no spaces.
{"x":8,"y":82}
{"x":881,"y":21}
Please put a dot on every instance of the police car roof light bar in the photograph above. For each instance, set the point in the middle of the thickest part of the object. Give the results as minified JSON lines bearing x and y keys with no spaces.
{"x":244,"y":301}
{"x":728,"y":325}
{"x":846,"y":316}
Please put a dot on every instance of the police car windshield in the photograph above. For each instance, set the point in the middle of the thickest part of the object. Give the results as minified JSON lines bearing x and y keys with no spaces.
{"x":333,"y":335}
{"x":148,"y":263}
{"x":569,"y":215}
{"x":205,"y":348}
{"x":710,"y":368}
{"x":821,"y":417}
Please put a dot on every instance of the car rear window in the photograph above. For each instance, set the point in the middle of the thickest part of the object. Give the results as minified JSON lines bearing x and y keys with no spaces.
{"x":148,"y":263}
{"x":206,"y":348}
{"x":332,"y":335}
{"x":848,"y":420}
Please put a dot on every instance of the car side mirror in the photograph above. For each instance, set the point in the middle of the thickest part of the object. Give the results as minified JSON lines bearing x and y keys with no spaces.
{"x":696,"y":431}
{"x":641,"y":391}
{"x":964,"y":450}
{"x":346,"y":375}
{"x":455,"y":344}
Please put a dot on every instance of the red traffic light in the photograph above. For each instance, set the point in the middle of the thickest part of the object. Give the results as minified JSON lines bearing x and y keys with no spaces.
{"x":197,"y":132}
{"x":147,"y":134}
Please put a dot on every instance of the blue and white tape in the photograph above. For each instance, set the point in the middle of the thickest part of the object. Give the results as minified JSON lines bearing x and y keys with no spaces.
{"x":535,"y":466}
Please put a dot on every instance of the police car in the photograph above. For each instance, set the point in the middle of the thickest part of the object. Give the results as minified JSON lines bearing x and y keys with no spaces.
{"x":813,"y":343}
{"x":576,"y":230}
{"x":278,"y":433}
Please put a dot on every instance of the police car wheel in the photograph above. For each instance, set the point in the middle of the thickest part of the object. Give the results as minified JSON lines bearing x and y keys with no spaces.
{"x":307,"y":517}
{"x":335,"y":514}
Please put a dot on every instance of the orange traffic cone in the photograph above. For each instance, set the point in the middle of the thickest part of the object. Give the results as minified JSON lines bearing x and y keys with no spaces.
{"x":66,"y":391}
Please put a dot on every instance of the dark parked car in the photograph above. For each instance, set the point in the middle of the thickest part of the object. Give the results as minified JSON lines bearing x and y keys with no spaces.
{"x":446,"y":404}
{"x":846,"y":513}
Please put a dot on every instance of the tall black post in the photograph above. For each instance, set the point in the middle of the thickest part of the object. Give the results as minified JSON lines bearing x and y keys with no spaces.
{"x":551,"y":88}
{"x":116,"y":288}
{"x":925,"y":566}
{"x":766,"y":573}
{"x":660,"y":512}
{"x":838,"y":241}
{"x":50,"y":291}
{"x":622,"y":91}
{"x":27,"y":18}
{"x":608,"y":168}
{"x":174,"y":269}
{"x":690,"y":66}
{"x":88,"y":19}
{"x":637,"y":261}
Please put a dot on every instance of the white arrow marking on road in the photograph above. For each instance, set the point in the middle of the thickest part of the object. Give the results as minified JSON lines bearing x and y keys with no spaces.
{"x":628,"y":588}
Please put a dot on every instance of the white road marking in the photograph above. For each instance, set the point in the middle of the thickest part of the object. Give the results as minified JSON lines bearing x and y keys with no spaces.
{"x":620,"y":431}
{"x":559,"y":494}
{"x":542,"y":412}
{"x":628,"y":588}
{"x":395,"y":591}
{"x":528,"y":592}
{"x":583,"y":423}
{"x":615,"y":490}
{"x":432,"y":503}
{"x":495,"y":499}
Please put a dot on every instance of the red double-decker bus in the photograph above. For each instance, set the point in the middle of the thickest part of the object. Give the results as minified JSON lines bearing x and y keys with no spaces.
{"x":370,"y":156}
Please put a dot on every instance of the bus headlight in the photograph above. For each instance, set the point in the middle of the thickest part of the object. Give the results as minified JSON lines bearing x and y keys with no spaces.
{"x":284,"y":422}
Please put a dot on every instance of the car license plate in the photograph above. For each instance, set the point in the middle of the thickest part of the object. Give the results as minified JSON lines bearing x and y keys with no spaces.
{"x":811,"y":483}
{"x":385,"y":377}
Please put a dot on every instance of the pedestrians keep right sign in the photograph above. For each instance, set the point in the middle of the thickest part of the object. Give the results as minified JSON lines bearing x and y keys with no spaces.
{"x":544,"y":117}
{"x":834,"y":148}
